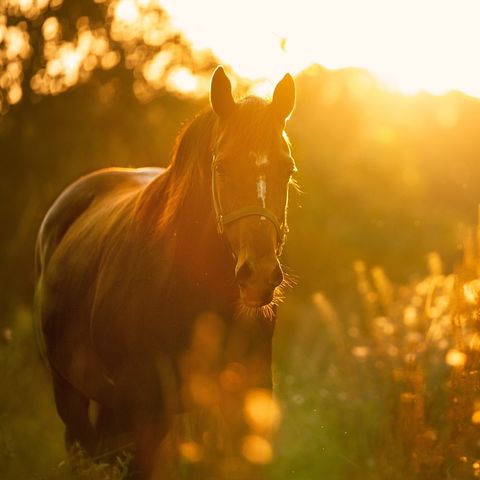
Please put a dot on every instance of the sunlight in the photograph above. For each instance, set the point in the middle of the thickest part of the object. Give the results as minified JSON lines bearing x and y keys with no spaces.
{"x":50,"y":28}
{"x":17,"y":43}
{"x":14,"y":94}
{"x":126,"y":11}
{"x":182,"y":80}
{"x":154,"y":69}
{"x":71,"y":60}
{"x":455,"y":358}
{"x":410,"y":45}
{"x":471,"y":291}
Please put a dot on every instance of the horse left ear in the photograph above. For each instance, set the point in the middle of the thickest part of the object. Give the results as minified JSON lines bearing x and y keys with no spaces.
{"x":284,"y":97}
{"x":221,"y":97}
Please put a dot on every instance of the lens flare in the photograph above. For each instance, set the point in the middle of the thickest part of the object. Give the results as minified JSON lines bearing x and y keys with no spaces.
{"x":257,"y":449}
{"x":127,"y":11}
{"x":455,"y":358}
{"x":261,"y":410}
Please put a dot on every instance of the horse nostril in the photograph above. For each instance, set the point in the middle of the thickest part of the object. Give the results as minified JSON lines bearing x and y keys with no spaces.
{"x":277,"y":276}
{"x":243,"y":273}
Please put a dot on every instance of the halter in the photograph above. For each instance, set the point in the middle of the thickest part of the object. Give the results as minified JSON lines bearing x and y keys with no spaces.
{"x":223,"y":219}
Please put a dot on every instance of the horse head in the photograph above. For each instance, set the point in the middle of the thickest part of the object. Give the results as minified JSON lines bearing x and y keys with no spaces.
{"x":252,"y":169}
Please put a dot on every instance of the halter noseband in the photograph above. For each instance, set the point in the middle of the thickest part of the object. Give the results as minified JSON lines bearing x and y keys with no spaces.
{"x":223,"y":219}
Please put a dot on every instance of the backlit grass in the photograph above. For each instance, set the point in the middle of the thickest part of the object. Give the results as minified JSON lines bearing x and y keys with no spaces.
{"x":390,"y":390}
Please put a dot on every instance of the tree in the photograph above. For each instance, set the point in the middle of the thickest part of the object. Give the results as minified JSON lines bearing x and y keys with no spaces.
{"x":71,"y":76}
{"x":49,"y":46}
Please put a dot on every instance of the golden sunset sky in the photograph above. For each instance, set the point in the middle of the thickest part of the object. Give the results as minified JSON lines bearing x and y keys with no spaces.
{"x":410,"y":45}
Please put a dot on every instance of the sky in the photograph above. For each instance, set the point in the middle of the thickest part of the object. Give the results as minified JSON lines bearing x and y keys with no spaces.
{"x":411,"y":45}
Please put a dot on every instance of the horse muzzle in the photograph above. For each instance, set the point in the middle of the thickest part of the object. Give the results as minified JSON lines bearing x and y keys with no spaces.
{"x":258,"y":280}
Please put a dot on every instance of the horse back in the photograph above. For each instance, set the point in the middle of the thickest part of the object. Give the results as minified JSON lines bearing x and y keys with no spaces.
{"x":78,"y":198}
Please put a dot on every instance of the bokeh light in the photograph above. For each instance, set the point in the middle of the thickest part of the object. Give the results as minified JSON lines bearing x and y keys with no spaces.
{"x":262,"y":411}
{"x":191,"y":451}
{"x":455,"y":358}
{"x":257,"y":449}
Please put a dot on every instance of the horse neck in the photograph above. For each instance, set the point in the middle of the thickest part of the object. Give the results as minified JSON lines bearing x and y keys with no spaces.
{"x":195,"y":228}
{"x":177,"y":210}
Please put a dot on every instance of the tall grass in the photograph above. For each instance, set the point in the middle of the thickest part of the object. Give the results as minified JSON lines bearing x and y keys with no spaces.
{"x":390,"y":390}
{"x":31,"y":438}
{"x":393,"y":389}
{"x":31,"y":434}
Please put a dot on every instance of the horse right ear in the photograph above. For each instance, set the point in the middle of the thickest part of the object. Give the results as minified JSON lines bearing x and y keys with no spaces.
{"x":221,"y":97}
{"x":283,"y":100}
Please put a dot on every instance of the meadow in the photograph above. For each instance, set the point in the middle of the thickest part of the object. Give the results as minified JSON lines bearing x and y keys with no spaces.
{"x":390,"y":391}
{"x":376,"y":350}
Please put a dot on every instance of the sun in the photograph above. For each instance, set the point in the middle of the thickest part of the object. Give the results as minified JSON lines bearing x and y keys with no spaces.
{"x":410,"y":45}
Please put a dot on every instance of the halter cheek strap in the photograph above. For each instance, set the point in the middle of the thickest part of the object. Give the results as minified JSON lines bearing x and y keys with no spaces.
{"x":254,"y":210}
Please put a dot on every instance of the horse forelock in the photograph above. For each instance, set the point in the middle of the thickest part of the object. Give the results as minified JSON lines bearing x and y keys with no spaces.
{"x":252,"y":123}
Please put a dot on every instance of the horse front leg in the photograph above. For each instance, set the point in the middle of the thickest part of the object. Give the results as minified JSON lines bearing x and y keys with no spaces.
{"x":248,"y":406}
{"x":150,"y":404}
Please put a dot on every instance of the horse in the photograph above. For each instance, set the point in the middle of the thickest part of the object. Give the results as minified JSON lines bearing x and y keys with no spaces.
{"x":156,"y":289}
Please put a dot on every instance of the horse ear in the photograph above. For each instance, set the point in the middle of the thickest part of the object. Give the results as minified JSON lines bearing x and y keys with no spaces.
{"x":284,"y":97}
{"x":221,"y":97}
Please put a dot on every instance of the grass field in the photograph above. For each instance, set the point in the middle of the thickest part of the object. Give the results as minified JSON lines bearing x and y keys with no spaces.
{"x":390,"y":391}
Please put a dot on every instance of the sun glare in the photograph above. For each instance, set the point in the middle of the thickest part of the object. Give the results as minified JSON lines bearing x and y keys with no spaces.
{"x":127,"y":11}
{"x":182,"y":80}
{"x":410,"y":45}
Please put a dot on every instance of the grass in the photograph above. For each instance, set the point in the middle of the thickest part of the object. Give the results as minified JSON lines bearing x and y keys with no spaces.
{"x":31,"y":438}
{"x":390,"y":390}
{"x":31,"y":434}
{"x":393,"y":390}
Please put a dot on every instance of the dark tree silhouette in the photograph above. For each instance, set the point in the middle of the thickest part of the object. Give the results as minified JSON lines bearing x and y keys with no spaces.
{"x":49,"y":46}
{"x":83,"y":84}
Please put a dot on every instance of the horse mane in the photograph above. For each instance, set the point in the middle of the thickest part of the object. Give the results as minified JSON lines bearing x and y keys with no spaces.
{"x":190,"y":162}
{"x":185,"y":171}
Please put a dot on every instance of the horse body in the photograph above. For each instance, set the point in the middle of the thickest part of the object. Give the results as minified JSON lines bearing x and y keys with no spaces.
{"x":133,"y":283}
{"x":74,"y":257}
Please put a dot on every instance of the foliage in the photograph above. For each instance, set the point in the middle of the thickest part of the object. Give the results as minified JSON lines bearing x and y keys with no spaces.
{"x":49,"y":46}
{"x":386,"y":178}
{"x":31,"y":438}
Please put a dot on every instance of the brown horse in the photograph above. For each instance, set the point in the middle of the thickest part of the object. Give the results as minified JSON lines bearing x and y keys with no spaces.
{"x":156,"y":288}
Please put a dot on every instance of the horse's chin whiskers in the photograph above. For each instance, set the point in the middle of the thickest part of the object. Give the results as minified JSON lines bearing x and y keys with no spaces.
{"x":289,"y":281}
{"x":251,"y":313}
{"x":267,"y":311}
